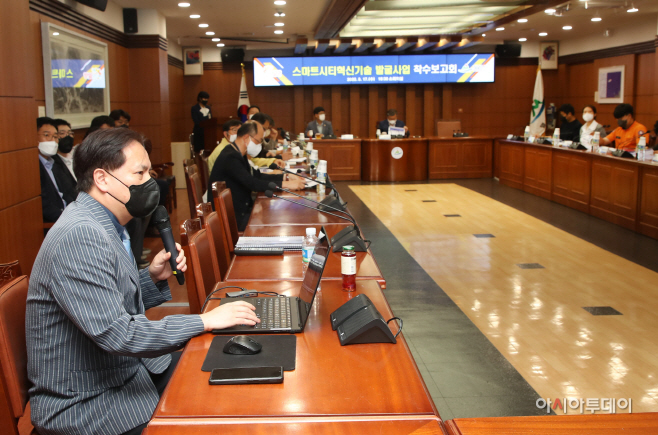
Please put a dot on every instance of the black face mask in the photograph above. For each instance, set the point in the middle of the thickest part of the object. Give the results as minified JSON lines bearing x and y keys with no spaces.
{"x":563,"y":119}
{"x":66,"y":144}
{"x":144,"y":198}
{"x":622,"y":123}
{"x":204,"y":102}
{"x":125,"y":126}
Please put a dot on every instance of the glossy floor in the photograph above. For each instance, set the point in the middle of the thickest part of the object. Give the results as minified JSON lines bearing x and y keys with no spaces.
{"x":534,"y":316}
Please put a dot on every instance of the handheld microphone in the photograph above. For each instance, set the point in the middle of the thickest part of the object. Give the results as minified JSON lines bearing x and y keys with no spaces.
{"x":347,"y":236}
{"x":161,"y":220}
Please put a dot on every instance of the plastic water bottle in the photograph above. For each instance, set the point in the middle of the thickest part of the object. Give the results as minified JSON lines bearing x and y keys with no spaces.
{"x":596,"y":139}
{"x":321,"y":176}
{"x":641,"y":147}
{"x":556,"y":137}
{"x":314,"y":159}
{"x":526,"y":133}
{"x":308,"y":245}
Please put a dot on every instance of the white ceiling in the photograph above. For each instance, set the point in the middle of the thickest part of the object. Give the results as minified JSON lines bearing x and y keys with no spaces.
{"x":612,"y":13}
{"x":247,"y":19}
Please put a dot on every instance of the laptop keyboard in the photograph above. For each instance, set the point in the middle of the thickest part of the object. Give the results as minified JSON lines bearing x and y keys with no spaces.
{"x":274,"y":313}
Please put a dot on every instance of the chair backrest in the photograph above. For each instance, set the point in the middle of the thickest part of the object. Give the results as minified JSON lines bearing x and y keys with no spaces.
{"x":202,"y":164}
{"x":13,"y":350}
{"x":202,"y":272}
{"x":9,"y":271}
{"x":192,"y":145}
{"x":194,"y":188}
{"x":227,"y":212}
{"x":212,"y":222}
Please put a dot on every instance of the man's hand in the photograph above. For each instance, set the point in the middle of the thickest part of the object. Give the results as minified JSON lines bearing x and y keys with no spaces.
{"x":280,"y":163}
{"x":160,"y":269}
{"x":231,"y":314}
{"x":271,"y":153}
{"x":287,"y":155}
{"x":406,"y":129}
{"x":294,"y":183}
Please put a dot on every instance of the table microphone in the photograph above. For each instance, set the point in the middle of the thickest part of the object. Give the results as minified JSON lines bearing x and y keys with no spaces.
{"x":272,"y":186}
{"x":331,"y":201}
{"x":347,"y":236}
{"x":161,"y":220}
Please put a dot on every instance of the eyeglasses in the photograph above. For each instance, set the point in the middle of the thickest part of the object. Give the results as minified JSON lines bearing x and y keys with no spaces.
{"x":257,"y":142}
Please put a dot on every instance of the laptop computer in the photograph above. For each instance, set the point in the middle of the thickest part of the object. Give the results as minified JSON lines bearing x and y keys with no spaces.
{"x":285,"y":314}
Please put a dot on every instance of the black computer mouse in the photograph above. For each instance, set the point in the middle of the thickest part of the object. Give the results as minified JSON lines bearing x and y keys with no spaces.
{"x":242,"y":345}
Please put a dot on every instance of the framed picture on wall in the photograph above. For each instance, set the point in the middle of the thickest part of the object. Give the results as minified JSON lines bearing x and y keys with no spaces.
{"x":611,"y":85}
{"x":192,"y":61}
{"x":548,"y":54}
{"x":76,"y":79}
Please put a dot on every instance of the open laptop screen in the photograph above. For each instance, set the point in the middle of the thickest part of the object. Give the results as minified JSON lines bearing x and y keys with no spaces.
{"x":312,"y":278}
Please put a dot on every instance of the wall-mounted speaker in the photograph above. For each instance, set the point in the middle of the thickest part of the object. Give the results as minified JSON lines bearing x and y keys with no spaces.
{"x":357,"y":321}
{"x":129,"y":20}
{"x":232,"y":55}
{"x":508,"y":50}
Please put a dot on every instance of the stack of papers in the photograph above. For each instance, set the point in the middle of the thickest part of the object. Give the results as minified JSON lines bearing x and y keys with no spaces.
{"x":288,"y":243}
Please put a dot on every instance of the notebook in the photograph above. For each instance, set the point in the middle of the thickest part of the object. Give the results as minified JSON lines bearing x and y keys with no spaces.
{"x":286,"y":314}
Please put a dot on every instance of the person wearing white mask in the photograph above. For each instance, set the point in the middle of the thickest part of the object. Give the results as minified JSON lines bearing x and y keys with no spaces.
{"x":591,"y":126}
{"x":232,"y":167}
{"x":252,"y":111}
{"x":52,"y":199}
{"x":392,"y":121}
{"x":230,"y":133}
{"x":319,"y":125}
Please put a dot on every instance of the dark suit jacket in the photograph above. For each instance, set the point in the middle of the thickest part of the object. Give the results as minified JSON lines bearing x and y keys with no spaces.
{"x":51,"y":202}
{"x":90,"y":348}
{"x":197,"y":117}
{"x":233,"y":168}
{"x":65,"y":180}
{"x":383,"y":126}
{"x":327,"y":128}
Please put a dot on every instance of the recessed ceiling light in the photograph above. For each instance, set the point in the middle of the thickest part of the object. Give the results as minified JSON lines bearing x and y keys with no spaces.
{"x":278,"y":24}
{"x":543,"y":34}
{"x":203,"y":25}
{"x":184,"y":5}
{"x":278,"y":32}
{"x":567,"y":27}
{"x":523,"y":39}
{"x":499,"y":29}
{"x":195,"y":16}
{"x":221,"y":44}
{"x":279,"y":14}
{"x":210,"y":33}
{"x":484,"y":34}
{"x":279,"y":2}
{"x":55,"y":33}
{"x":522,"y":20}
{"x":596,"y":18}
{"x":632,"y":9}
{"x":550,"y":11}
{"x":216,"y":39}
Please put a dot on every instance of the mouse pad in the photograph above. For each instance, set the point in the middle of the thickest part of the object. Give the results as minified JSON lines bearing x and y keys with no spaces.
{"x":278,"y":350}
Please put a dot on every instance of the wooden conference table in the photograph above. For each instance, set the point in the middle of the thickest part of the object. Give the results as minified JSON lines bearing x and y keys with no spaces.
{"x":334,"y":389}
{"x":619,"y":190}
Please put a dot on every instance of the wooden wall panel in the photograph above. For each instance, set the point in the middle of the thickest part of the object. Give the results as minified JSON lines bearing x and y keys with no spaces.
{"x":18,"y":121}
{"x":571,"y":180}
{"x":615,"y":191}
{"x":21,"y":232}
{"x":538,"y":172}
{"x":511,"y":165}
{"x":178,"y":113}
{"x":19,"y":176}
{"x":14,"y":20}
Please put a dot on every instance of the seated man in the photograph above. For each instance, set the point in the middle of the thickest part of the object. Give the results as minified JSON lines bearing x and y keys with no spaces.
{"x":252,"y":111}
{"x":121,"y":118}
{"x":65,"y":154}
{"x":319,"y":125}
{"x":232,"y":167}
{"x":629,"y":132}
{"x":570,"y":126}
{"x":52,"y":197}
{"x":393,"y":121}
{"x":96,"y":363}
{"x":102,"y":122}
{"x":229,"y":132}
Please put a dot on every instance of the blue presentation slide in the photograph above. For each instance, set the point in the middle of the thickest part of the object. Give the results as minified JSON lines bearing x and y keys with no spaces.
{"x":78,"y":73}
{"x":356,"y":70}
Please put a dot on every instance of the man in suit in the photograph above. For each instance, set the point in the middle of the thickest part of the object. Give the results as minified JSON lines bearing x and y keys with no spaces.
{"x":200,"y":112}
{"x":392,"y":121}
{"x":53,"y":202}
{"x":319,"y":124}
{"x":96,"y":363}
{"x":233,"y":167}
